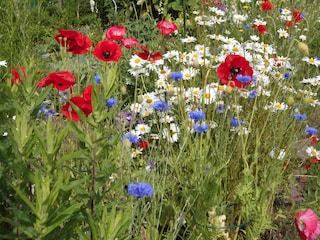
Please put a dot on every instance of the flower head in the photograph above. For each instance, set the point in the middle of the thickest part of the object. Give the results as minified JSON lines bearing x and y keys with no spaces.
{"x":307,"y":225}
{"x":233,"y":66}
{"x":196,"y":115}
{"x":111,"y":102}
{"x":83,"y":103}
{"x":60,"y":80}
{"x":311,"y":130}
{"x":140,"y":189}
{"x":16,"y":72}
{"x":115,"y":32}
{"x":130,"y":42}
{"x":107,"y":51}
{"x":176,"y":76}
{"x":166,"y":27}
{"x":160,"y":105}
{"x":74,"y":41}
{"x":200,"y":128}
{"x":266,"y":6}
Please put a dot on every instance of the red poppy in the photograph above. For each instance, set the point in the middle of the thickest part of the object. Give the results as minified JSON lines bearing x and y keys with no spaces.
{"x":232,"y":66}
{"x":297,"y":16}
{"x":107,"y":51}
{"x":83,"y":103}
{"x":166,"y":28}
{"x":260,"y":28}
{"x":130,"y":42}
{"x":60,"y":80}
{"x":16,"y":75}
{"x":307,"y":225}
{"x":266,"y":6}
{"x":115,"y":32}
{"x":143,"y":145}
{"x":146,"y":55}
{"x":74,"y":41}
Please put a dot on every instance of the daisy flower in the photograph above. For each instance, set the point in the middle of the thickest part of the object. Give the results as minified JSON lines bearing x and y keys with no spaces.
{"x":188,"y":39}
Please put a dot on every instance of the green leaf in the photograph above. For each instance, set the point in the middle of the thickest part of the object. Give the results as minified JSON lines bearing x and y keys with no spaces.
{"x":25,"y":199}
{"x":62,"y":216}
{"x":73,"y":184}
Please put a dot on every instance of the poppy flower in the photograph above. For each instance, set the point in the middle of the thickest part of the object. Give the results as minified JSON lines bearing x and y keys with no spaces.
{"x":130,"y":42}
{"x":297,"y":16}
{"x":60,"y":80}
{"x":115,"y":32}
{"x":143,"y":145}
{"x":233,"y":66}
{"x":260,"y":28}
{"x":107,"y":51}
{"x":166,"y":28}
{"x":146,"y":55}
{"x":16,"y":75}
{"x":307,"y":225}
{"x":266,"y":6}
{"x":74,"y":41}
{"x":83,"y":103}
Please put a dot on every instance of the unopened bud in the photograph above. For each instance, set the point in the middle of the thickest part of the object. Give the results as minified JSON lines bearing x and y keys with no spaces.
{"x":303,"y":48}
{"x":123,"y":90}
{"x":140,"y":99}
{"x":307,"y":100}
{"x":290,"y":100}
{"x":229,"y":89}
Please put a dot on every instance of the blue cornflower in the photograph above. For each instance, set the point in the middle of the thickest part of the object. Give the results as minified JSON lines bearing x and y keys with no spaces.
{"x":243,"y":78}
{"x":253,"y":94}
{"x":132,"y":138}
{"x":247,"y":27}
{"x":140,"y":189}
{"x":220,"y":108}
{"x":302,"y":15}
{"x":160,"y":105}
{"x":200,"y":128}
{"x":111,"y":102}
{"x":280,"y":10}
{"x":300,"y":117}
{"x":235,"y":122}
{"x":97,"y":78}
{"x":48,"y":112}
{"x":176,"y":76}
{"x":286,"y":76}
{"x":197,"y":115}
{"x":311,"y":130}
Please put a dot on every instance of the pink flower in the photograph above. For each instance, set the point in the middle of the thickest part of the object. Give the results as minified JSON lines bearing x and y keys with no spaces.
{"x":166,"y":28}
{"x":115,"y":32}
{"x":307,"y":225}
{"x":130,"y":42}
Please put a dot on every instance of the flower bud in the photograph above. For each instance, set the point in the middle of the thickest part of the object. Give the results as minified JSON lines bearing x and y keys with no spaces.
{"x":307,"y":100}
{"x":123,"y":90}
{"x":229,"y":89}
{"x":303,"y":48}
{"x":140,"y":99}
{"x":290,"y":100}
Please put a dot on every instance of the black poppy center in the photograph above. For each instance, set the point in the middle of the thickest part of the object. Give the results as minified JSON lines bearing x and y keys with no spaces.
{"x":234,"y":71}
{"x":106,"y":54}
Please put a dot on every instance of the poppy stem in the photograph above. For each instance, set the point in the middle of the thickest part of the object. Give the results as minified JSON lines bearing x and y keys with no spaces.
{"x":115,"y":12}
{"x":184,"y":17}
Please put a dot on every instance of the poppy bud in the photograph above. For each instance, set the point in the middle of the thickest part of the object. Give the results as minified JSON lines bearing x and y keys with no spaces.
{"x":307,"y":100}
{"x":140,"y":99}
{"x":229,"y":89}
{"x":303,"y":48}
{"x":123,"y":90}
{"x":290,"y":100}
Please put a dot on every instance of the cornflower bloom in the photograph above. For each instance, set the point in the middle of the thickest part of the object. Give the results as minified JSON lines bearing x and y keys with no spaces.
{"x":111,"y":102}
{"x":160,"y":105}
{"x":197,"y":115}
{"x":140,"y":189}
{"x":311,"y":131}
{"x":200,"y":128}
